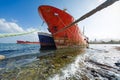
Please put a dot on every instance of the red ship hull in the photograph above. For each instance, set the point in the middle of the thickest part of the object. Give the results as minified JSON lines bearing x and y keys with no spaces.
{"x":57,"y":19}
{"x":26,"y":42}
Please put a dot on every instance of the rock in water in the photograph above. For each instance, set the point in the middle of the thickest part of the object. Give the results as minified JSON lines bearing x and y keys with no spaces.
{"x":117,"y":64}
{"x":2,"y":57}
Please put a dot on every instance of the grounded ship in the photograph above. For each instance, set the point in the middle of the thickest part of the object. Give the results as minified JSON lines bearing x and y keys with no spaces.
{"x":63,"y":28}
{"x":26,"y":42}
{"x":57,"y":19}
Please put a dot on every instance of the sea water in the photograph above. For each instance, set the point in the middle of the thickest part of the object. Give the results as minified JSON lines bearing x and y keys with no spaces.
{"x":17,"y":54}
{"x":26,"y":62}
{"x":97,"y":63}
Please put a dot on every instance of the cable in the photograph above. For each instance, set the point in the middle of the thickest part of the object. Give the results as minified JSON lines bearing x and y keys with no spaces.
{"x":16,"y":34}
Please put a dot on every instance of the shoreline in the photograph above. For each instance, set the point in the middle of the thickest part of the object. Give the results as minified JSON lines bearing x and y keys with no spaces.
{"x":94,"y":63}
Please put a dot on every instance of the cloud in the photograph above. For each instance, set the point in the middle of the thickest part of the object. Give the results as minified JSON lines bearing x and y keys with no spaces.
{"x":101,"y":0}
{"x":9,"y":27}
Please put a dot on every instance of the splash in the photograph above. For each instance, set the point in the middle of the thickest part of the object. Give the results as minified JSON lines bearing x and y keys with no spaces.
{"x":97,"y":64}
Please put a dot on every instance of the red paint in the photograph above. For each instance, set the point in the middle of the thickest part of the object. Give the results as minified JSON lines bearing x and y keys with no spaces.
{"x":26,"y":42}
{"x":57,"y":19}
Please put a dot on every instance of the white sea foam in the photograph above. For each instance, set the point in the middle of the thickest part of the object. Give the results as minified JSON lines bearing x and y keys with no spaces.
{"x":104,"y":55}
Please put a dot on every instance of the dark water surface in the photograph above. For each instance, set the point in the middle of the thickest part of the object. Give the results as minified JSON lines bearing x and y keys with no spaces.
{"x":17,"y":54}
{"x":26,"y":62}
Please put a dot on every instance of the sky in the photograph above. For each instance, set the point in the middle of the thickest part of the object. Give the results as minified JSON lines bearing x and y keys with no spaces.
{"x":17,"y":16}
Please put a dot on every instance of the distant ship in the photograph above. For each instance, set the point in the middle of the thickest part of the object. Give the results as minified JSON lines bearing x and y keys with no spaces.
{"x":57,"y":19}
{"x":26,"y":42}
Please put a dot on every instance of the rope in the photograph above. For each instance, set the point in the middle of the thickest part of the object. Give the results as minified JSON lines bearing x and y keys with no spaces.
{"x":100,"y":7}
{"x":15,"y":34}
{"x":65,"y":25}
{"x":42,"y":23}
